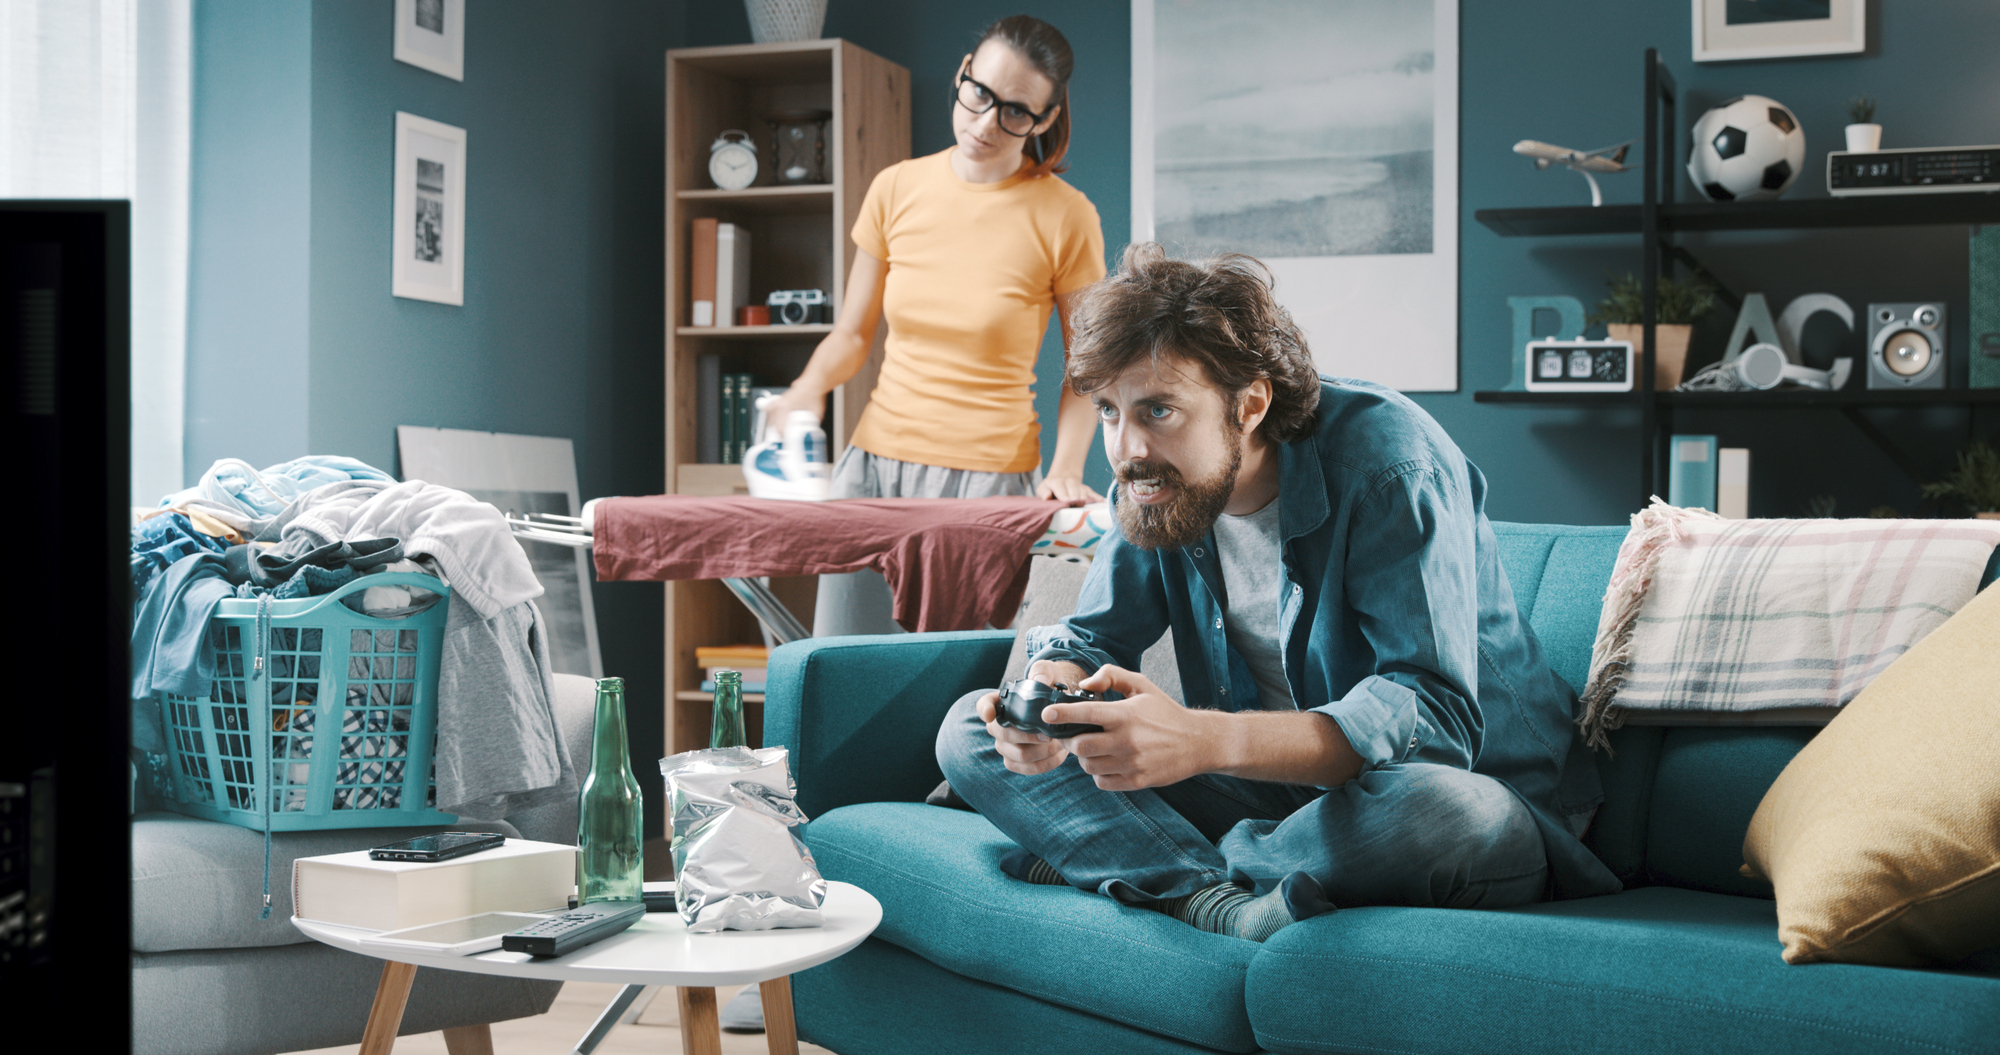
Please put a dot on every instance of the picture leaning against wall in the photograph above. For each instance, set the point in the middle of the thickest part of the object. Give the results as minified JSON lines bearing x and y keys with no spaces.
{"x":1320,"y":136}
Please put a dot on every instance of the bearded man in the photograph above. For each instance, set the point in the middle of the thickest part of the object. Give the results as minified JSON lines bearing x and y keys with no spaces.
{"x":1369,"y":720}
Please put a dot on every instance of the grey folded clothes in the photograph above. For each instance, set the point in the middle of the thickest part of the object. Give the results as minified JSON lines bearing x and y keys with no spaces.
{"x":256,"y":569}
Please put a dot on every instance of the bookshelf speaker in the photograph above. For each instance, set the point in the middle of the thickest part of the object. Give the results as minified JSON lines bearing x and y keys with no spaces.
{"x":1906,"y":345}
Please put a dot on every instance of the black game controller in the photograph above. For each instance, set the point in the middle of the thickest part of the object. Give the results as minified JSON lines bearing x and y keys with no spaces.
{"x":1021,"y":704}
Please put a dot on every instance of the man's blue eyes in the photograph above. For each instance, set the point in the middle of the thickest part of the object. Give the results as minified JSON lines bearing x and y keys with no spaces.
{"x":1155,"y":412}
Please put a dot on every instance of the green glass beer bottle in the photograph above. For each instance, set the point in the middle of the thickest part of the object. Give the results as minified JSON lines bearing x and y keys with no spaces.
{"x":727,"y":730}
{"x":609,"y":863}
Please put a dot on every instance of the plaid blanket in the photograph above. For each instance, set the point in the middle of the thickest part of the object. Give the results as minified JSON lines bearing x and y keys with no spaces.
{"x":1733,"y":616}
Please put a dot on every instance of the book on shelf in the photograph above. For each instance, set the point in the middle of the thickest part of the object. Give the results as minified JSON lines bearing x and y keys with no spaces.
{"x":1691,"y":472}
{"x":708,"y":401}
{"x":1732,"y":483}
{"x":351,"y":890}
{"x":749,"y":660}
{"x":732,"y":272}
{"x":701,"y":273}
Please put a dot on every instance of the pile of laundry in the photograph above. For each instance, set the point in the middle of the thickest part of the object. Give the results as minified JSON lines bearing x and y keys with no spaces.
{"x":309,"y":527}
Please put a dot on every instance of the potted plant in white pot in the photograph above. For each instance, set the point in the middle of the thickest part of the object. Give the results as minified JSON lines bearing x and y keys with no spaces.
{"x":1975,"y":483}
{"x":1681,"y":305}
{"x":1864,"y":136}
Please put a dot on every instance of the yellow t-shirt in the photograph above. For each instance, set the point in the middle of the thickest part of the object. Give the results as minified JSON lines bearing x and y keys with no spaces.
{"x":974,"y":270}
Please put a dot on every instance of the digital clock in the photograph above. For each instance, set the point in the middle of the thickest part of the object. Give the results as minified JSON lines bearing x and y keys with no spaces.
{"x":1924,"y":170}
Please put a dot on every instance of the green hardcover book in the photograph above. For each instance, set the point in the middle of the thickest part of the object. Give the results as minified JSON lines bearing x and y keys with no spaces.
{"x":1984,"y":366}
{"x":729,"y":420}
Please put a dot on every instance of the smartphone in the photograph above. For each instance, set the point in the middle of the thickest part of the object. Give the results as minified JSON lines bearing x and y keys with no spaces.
{"x":440,"y":847}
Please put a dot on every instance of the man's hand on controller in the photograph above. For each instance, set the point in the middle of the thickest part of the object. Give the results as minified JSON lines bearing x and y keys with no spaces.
{"x":1023,"y":752}
{"x":1149,"y":740}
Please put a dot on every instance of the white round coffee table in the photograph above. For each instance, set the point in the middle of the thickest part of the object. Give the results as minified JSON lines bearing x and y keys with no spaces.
{"x":657,"y":950}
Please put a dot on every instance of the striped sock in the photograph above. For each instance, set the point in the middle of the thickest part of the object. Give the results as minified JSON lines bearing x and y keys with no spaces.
{"x":1027,"y":867}
{"x":1229,"y":909}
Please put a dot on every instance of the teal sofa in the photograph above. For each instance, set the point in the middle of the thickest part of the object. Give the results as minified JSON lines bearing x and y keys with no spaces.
{"x":1685,"y":960}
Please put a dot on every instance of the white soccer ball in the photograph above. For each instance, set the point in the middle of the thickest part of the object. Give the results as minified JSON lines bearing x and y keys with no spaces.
{"x":1748,"y":149}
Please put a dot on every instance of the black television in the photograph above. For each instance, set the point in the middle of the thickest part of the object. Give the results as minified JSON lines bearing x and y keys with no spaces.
{"x":65,"y":320}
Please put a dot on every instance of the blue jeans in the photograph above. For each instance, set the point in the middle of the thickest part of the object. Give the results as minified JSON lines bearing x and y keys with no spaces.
{"x":1399,"y":834}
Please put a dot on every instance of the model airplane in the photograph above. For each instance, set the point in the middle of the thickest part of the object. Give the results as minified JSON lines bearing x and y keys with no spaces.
{"x":1603,"y":159}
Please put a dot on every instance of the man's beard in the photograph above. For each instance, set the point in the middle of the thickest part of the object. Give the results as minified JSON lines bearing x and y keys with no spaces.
{"x":1186,"y":517}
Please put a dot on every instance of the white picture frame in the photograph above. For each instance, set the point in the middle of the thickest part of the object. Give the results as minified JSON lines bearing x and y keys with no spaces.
{"x":430,"y":35}
{"x":1729,"y":30}
{"x":520,"y":475}
{"x":429,"y":239}
{"x":1242,"y":102}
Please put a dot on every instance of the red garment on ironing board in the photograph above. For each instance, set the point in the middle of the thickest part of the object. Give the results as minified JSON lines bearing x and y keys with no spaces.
{"x":952,"y":563}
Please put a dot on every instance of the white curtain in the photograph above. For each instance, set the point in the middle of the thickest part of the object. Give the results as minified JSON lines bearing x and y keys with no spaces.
{"x":94,"y":104}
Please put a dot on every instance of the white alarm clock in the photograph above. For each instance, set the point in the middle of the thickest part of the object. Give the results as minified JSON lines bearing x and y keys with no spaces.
{"x":732,"y":160}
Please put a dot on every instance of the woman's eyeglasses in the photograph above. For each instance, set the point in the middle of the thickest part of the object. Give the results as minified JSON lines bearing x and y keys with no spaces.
{"x":1015,"y":119}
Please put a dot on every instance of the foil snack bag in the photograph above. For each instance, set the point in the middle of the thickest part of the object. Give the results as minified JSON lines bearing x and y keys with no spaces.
{"x":738,"y":862}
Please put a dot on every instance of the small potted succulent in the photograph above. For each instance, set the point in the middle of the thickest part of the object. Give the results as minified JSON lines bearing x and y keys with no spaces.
{"x":1681,"y":305}
{"x":1864,"y":136}
{"x":1975,"y":483}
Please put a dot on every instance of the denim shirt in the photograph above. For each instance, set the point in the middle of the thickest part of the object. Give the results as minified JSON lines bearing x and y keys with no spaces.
{"x":1397,"y":617}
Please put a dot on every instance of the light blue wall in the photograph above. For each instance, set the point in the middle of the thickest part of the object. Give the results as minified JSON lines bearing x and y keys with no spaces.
{"x":249,"y":259}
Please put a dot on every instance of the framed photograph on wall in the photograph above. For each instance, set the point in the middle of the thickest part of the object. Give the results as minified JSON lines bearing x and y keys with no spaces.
{"x":430,"y":34}
{"x":1772,"y":29}
{"x":430,"y":211}
{"x":1321,"y":139}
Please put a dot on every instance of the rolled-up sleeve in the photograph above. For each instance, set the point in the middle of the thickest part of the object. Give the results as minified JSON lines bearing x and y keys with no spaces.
{"x":1412,"y":584}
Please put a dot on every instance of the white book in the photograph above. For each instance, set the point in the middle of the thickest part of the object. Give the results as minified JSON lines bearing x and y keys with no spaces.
{"x":732,"y":272}
{"x":351,"y":890}
{"x":1732,"y":483}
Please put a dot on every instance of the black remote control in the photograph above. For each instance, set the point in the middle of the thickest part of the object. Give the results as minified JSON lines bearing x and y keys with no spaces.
{"x":574,"y":929}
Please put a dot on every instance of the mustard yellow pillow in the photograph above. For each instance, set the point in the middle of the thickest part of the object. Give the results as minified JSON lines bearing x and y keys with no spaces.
{"x":1882,"y":837}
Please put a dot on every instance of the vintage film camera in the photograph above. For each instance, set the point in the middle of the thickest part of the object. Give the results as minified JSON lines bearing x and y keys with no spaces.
{"x":799,"y":307}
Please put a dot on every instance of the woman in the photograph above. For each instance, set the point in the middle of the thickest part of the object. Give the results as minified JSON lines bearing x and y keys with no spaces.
{"x":965,"y":252}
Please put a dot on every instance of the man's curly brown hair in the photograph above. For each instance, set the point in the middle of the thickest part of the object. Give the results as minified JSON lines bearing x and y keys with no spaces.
{"x":1219,"y":313}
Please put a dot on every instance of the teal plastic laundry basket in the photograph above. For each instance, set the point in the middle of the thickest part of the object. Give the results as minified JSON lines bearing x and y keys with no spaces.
{"x":331,"y":724}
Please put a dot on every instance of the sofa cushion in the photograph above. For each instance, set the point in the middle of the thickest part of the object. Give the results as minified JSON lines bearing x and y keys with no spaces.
{"x":937,"y":873}
{"x":881,"y":999}
{"x":1654,"y":970}
{"x":199,"y":884}
{"x":1882,"y":838}
{"x":1706,"y":785}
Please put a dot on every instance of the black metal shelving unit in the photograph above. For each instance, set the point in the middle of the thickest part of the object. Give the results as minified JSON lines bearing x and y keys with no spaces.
{"x":1657,"y":218}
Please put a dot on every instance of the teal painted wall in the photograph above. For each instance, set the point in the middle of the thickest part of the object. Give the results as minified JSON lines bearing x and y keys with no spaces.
{"x":1569,"y":71}
{"x":1564,"y":71}
{"x":297,"y":346}
{"x":249,"y":250}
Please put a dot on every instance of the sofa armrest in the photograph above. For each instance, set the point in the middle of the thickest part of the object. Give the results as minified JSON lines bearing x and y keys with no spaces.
{"x":860,"y":714}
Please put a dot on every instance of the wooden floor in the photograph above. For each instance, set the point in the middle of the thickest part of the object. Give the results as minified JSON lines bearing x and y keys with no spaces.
{"x":656,"y":1033}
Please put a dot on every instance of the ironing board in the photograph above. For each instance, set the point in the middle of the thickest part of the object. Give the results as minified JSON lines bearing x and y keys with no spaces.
{"x":933,"y":551}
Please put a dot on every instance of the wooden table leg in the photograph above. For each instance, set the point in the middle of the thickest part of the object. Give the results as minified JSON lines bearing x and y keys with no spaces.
{"x":701,"y":1031}
{"x":392,"y":994}
{"x":469,"y":1040}
{"x":781,"y":1032}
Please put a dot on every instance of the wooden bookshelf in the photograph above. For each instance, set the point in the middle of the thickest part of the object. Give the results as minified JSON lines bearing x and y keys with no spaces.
{"x":799,"y":240}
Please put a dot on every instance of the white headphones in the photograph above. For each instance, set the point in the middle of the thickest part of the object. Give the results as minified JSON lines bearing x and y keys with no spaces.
{"x":1765,"y":366}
